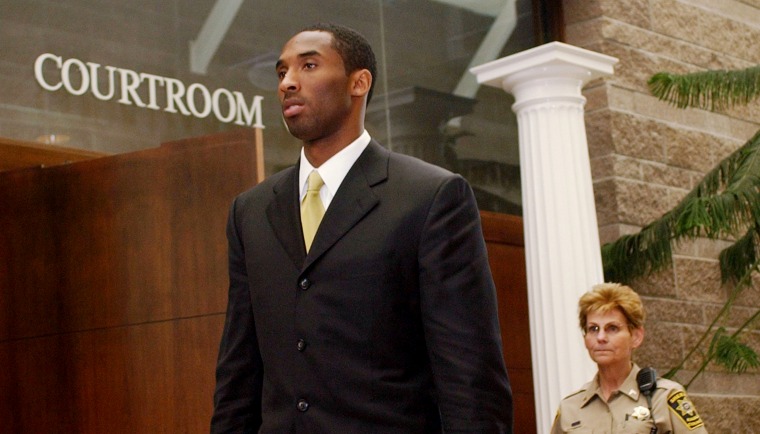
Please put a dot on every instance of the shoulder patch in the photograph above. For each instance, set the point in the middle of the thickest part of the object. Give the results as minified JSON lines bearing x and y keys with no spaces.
{"x":684,"y":410}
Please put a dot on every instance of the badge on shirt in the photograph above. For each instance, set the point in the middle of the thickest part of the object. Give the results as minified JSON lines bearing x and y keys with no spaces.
{"x":681,"y":405}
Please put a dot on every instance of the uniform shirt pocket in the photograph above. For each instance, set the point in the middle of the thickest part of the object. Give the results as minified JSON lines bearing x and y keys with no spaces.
{"x":635,"y":426}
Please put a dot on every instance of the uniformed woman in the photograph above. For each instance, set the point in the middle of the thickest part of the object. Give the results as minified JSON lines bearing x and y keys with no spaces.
{"x":612,"y":321}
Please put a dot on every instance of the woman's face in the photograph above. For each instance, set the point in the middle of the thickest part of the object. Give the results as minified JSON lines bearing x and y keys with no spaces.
{"x":609,"y":340}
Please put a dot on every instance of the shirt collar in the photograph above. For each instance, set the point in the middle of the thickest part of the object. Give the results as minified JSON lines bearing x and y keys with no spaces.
{"x":334,"y":170}
{"x":629,"y":388}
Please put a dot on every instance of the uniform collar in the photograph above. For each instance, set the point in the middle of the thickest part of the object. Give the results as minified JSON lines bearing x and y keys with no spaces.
{"x":629,"y":388}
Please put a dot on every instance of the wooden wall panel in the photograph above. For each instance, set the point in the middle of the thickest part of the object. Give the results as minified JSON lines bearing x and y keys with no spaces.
{"x":113,"y":278}
{"x":15,"y":154}
{"x":506,"y":253}
{"x":145,"y":378}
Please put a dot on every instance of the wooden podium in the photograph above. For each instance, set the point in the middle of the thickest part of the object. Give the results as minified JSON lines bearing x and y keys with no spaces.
{"x":113,"y":279}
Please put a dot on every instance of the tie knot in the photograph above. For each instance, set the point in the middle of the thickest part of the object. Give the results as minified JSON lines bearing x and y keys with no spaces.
{"x":315,"y":181}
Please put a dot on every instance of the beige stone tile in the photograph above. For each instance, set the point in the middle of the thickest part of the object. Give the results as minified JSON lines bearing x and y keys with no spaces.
{"x":683,"y":56}
{"x":656,"y":286}
{"x":709,"y":248}
{"x":599,"y":133}
{"x":686,"y":247}
{"x":699,"y":280}
{"x":629,"y":168}
{"x":662,"y":345}
{"x":755,"y":3}
{"x":735,"y":318}
{"x":635,"y":12}
{"x":640,"y":203}
{"x":751,"y":337}
{"x":683,"y":376}
{"x":603,"y":167}
{"x":750,"y":296}
{"x":673,"y":311}
{"x":650,"y":106}
{"x":741,"y":11}
{"x":706,"y":28}
{"x":692,"y":149}
{"x":638,"y":137}
{"x":575,"y":11}
{"x":585,"y":33}
{"x":596,"y":97}
{"x":621,"y":99}
{"x":743,"y":130}
{"x":635,"y":67}
{"x":609,"y":233}
{"x":715,"y":380}
{"x":605,"y":198}
{"x":658,"y":173}
{"x":726,"y":414}
{"x":691,"y":335}
{"x":703,"y":248}
{"x":718,"y":124}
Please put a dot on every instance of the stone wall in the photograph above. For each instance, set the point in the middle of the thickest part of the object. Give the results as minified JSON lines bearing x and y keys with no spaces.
{"x":646,"y":155}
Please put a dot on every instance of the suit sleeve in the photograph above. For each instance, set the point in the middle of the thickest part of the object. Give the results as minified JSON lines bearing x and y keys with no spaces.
{"x":237,"y":397}
{"x":459,"y":311}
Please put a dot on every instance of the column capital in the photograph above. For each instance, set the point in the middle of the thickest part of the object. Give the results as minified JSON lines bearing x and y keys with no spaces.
{"x":555,"y":59}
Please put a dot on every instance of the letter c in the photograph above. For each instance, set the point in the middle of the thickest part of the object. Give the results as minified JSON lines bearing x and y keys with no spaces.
{"x":38,"y":70}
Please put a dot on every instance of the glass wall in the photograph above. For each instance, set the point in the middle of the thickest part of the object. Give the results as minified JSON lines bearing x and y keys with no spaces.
{"x":116,"y":76}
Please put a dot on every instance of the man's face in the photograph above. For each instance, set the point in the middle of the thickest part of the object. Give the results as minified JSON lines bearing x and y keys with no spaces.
{"x":609,"y":340}
{"x":314,"y":89}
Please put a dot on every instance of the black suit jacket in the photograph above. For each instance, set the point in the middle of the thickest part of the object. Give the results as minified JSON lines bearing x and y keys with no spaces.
{"x":388,"y":325}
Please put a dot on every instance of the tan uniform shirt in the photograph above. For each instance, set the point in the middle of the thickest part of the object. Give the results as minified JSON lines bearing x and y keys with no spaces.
{"x":627,"y":411}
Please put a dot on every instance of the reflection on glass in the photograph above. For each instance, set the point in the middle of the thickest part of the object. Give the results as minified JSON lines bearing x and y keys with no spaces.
{"x":426,"y":102}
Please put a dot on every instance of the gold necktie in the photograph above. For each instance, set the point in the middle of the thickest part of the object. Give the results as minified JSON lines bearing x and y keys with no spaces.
{"x":312,"y":209}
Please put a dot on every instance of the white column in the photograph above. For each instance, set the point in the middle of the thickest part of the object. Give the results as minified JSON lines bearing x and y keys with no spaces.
{"x":562,"y":250}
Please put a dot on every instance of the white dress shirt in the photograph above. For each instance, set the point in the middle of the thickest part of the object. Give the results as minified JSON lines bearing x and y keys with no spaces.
{"x":334,"y":170}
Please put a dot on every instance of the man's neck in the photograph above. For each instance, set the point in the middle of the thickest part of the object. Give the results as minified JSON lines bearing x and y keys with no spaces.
{"x":319,"y":151}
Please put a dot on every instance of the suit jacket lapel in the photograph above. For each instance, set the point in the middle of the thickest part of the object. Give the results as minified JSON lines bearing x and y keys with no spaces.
{"x":353,"y":200}
{"x":285,"y":218}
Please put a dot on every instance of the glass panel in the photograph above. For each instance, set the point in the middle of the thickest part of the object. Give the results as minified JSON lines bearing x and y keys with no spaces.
{"x":436,"y":109}
{"x":117,"y":76}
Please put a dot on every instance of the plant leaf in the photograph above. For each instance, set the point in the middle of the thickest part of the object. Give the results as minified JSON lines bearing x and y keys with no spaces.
{"x":731,"y":353}
{"x":711,"y":90}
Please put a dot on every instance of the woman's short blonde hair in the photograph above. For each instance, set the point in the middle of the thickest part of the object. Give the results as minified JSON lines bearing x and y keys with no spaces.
{"x":609,"y":296}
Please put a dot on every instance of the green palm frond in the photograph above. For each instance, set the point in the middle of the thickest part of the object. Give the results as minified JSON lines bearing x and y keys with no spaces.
{"x":739,"y":258}
{"x":731,"y":353}
{"x":711,"y":90}
{"x":724,"y":204}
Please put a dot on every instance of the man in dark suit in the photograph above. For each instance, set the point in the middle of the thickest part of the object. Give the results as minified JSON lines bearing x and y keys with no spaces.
{"x":386,"y":322}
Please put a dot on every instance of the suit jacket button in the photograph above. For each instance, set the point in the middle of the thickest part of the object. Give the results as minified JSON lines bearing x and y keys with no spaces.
{"x":302,"y":405}
{"x":304,"y":284}
{"x":301,"y":345}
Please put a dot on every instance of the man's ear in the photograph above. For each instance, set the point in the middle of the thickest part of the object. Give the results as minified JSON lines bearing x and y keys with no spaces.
{"x":361,"y":81}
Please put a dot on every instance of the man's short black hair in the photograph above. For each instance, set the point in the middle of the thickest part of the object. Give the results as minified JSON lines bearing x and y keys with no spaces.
{"x":352,"y":47}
